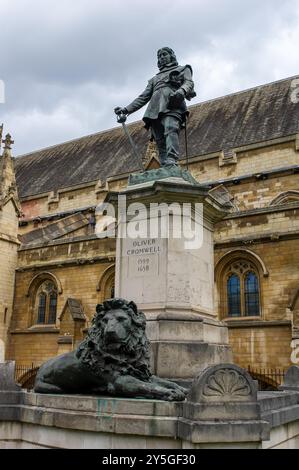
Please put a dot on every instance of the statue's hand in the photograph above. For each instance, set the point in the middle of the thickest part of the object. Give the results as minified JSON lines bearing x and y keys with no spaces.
{"x":176,"y":98}
{"x":119,"y":111}
{"x":181,"y":93}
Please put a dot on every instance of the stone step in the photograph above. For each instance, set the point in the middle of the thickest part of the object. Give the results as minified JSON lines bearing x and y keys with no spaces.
{"x":277,"y":400}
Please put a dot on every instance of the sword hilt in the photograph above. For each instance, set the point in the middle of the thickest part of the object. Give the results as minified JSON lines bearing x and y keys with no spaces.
{"x":121,"y":118}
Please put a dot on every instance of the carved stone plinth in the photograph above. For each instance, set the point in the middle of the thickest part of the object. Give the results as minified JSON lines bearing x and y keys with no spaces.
{"x":224,"y":394}
{"x":171,"y":280}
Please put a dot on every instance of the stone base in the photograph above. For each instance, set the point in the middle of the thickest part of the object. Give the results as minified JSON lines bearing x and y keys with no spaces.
{"x":185,"y":344}
{"x":185,"y":359}
{"x":222,"y":410}
{"x":169,"y":326}
{"x":161,"y":174}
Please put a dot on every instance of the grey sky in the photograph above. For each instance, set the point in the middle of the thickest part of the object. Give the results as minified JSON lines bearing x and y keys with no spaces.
{"x":67,"y":63}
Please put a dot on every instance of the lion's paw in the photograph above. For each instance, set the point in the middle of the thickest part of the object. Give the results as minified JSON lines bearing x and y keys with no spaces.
{"x":175,"y":395}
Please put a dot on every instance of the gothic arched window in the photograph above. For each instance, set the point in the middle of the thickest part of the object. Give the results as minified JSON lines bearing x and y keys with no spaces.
{"x":242,"y":290}
{"x":46,"y":303}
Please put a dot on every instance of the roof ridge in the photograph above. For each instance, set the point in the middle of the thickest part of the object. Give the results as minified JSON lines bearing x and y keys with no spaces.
{"x":140,"y":121}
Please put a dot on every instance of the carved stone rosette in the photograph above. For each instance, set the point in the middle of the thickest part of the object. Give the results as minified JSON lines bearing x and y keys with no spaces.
{"x":226,"y":383}
{"x":223,"y":383}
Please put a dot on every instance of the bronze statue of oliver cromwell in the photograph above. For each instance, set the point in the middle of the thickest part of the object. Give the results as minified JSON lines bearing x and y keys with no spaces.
{"x":167,"y":111}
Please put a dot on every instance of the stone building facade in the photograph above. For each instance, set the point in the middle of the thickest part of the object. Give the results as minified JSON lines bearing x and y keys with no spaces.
{"x":9,"y":243}
{"x":247,"y":142}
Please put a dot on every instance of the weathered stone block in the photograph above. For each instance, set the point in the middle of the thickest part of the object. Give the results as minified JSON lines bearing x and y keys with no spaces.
{"x":7,"y":377}
{"x":291,"y":380}
{"x":185,"y":359}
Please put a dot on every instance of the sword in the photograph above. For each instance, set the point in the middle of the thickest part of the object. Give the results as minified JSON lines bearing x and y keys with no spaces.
{"x":121,"y":119}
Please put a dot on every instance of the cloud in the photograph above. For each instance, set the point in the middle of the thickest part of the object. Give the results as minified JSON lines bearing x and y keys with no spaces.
{"x":67,"y":64}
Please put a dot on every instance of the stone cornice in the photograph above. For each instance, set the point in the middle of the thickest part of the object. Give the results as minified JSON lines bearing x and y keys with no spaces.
{"x":44,"y":330}
{"x":60,"y":191}
{"x":264,"y":210}
{"x":67,"y":263}
{"x":58,"y":214}
{"x":262,"y":175}
{"x":77,"y":187}
{"x":242,"y":150}
{"x":256,"y":239}
{"x":168,"y":191}
{"x":9,"y":239}
{"x":247,"y":323}
{"x":64,"y":241}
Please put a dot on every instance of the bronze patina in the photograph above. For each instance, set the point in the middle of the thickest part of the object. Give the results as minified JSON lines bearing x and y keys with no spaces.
{"x":113,"y":359}
{"x":167,"y":112}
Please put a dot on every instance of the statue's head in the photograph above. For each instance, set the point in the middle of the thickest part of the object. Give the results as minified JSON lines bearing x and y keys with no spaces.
{"x":166,"y":58}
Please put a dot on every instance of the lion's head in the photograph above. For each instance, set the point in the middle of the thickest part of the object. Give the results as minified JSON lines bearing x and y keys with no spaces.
{"x":117,"y":341}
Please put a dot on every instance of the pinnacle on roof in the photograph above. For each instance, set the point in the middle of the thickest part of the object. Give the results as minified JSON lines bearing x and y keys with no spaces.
{"x":8,"y":142}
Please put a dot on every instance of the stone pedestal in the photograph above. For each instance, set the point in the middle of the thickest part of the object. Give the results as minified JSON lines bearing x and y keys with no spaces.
{"x":168,"y":275}
{"x":222,"y":410}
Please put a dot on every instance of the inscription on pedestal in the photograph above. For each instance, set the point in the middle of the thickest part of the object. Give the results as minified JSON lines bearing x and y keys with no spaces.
{"x":143,"y":257}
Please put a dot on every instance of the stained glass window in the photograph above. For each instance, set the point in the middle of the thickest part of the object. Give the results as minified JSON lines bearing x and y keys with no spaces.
{"x":42,"y":308}
{"x":46,"y":303}
{"x":251,"y":291}
{"x":52,"y":308}
{"x":242,"y":290}
{"x":233,"y":296}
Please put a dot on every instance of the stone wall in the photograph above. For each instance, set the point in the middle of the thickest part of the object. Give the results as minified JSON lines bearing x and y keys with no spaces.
{"x":260,"y":193}
{"x":68,"y":199}
{"x":256,"y":159}
{"x":264,"y":341}
{"x":261,"y":346}
{"x":280,"y":259}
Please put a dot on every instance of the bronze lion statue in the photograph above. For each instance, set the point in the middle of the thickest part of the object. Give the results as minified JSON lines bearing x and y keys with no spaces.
{"x":113,"y":359}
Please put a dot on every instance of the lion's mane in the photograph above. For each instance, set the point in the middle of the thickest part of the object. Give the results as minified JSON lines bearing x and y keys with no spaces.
{"x":133,"y":356}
